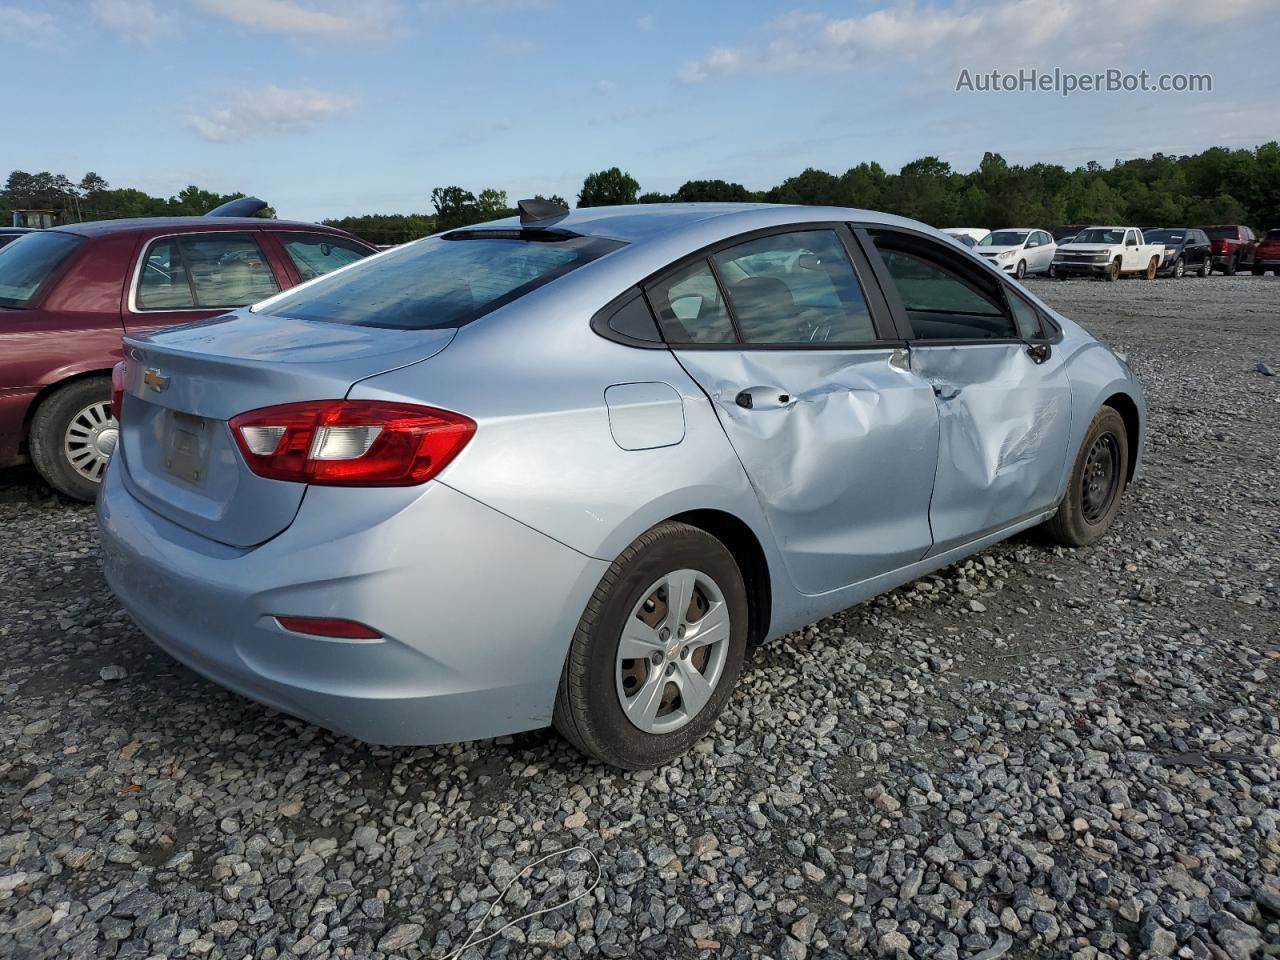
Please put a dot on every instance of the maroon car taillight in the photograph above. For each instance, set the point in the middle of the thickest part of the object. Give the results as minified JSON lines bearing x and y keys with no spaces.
{"x":117,"y":390}
{"x":350,"y":443}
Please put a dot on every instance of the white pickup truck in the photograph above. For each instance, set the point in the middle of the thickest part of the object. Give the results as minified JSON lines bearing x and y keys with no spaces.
{"x":1108,"y":252}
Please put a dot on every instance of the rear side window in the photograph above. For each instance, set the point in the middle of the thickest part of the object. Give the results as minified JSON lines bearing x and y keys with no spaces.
{"x":204,"y":271}
{"x":940,"y":304}
{"x":29,"y":261}
{"x":315,"y":254}
{"x":443,"y":282}
{"x":690,"y":307}
{"x":795,"y":288}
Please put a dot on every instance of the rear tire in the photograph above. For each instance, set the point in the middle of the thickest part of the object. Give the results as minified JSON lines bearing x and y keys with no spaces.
{"x":1206,"y":267}
{"x":72,"y":436}
{"x":1229,"y":268}
{"x":1153,"y":268}
{"x":1258,"y":271}
{"x":600,"y":702}
{"x":1096,"y":484}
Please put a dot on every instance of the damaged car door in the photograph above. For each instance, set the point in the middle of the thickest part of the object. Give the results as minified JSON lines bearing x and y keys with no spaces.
{"x":798,"y":355}
{"x":1003,"y":398}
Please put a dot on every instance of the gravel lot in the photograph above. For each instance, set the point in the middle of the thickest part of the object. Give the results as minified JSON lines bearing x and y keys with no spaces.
{"x":1037,"y":753}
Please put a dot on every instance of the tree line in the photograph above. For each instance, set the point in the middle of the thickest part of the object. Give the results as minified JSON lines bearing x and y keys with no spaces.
{"x":1218,"y":185}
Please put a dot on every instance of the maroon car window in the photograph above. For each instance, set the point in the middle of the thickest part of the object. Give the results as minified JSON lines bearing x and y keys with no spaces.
{"x":204,"y":271}
{"x":28,"y":262}
{"x":315,"y":254}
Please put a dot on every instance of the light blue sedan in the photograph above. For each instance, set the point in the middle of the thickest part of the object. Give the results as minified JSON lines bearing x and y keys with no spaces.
{"x":567,"y":468}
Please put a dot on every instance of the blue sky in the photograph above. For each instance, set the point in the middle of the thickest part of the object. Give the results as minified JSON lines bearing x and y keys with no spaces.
{"x":335,"y":107}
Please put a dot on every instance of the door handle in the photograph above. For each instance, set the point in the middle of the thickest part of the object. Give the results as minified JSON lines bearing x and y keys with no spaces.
{"x":764,"y":398}
{"x":1039,"y":352}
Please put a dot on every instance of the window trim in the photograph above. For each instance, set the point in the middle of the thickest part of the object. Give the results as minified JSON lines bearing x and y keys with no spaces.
{"x":878,"y":309}
{"x":146,"y":251}
{"x":600,"y":321}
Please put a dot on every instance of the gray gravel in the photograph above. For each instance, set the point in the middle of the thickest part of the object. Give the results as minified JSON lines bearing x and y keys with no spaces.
{"x":1037,"y":753}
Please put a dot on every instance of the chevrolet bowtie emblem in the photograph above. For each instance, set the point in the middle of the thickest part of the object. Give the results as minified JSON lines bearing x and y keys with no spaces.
{"x":152,"y":379}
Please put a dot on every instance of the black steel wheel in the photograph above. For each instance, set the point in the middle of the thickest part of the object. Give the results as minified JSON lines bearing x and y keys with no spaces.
{"x":1096,"y":483}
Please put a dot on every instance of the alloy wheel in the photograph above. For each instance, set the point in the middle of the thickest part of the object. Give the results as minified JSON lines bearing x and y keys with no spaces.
{"x":672,"y":651}
{"x":90,"y":438}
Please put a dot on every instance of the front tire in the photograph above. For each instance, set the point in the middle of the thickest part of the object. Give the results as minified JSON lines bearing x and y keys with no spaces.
{"x":72,"y":437}
{"x":1096,"y":483}
{"x":1021,"y":270}
{"x":657,"y":651}
{"x":1113,"y":271}
{"x":1179,"y":268}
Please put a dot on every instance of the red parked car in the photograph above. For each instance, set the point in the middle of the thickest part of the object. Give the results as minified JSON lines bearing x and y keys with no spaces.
{"x":68,"y":294}
{"x":1267,"y":255}
{"x":1232,"y":246}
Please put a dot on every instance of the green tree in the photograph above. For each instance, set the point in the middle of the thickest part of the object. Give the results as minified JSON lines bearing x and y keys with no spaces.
{"x":608,"y":188}
{"x":712,"y":191}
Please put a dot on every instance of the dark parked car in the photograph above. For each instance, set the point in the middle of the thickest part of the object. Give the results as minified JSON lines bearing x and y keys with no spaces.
{"x":1267,"y":255}
{"x":1186,"y":250}
{"x":67,"y":295}
{"x":1066,"y":232}
{"x":10,"y":234}
{"x":1233,"y":247}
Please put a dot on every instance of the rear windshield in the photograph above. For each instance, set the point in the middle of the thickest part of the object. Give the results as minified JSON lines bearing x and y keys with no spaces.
{"x":442,"y":282}
{"x":1273,"y":236}
{"x":1003,"y":238}
{"x":1222,"y":233}
{"x":27,"y":262}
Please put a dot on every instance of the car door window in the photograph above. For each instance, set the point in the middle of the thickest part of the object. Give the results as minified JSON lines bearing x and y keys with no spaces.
{"x":690,"y":307}
{"x":204,"y":271}
{"x":315,"y":254}
{"x":942,"y":305}
{"x":795,"y":288}
{"x":162,"y":279}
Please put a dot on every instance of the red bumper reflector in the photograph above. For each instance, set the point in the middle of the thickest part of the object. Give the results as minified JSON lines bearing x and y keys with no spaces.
{"x":117,"y":389}
{"x":329,"y":627}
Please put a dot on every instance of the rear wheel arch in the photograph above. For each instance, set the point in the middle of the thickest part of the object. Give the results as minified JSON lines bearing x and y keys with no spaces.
{"x":749,"y":554}
{"x":49,"y":389}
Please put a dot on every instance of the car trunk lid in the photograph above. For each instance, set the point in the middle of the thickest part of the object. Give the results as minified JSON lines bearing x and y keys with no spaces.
{"x":183,"y":384}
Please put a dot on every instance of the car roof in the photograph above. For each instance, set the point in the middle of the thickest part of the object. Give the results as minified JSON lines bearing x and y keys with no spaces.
{"x":18,"y":229}
{"x":97,"y":228}
{"x":639,"y":222}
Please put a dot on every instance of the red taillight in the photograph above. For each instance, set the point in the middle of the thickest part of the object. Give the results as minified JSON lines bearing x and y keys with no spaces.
{"x":350,"y":443}
{"x":329,"y":627}
{"x":117,"y":390}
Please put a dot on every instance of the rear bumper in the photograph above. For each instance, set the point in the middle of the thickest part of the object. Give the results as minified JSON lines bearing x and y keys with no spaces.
{"x":476,"y":610}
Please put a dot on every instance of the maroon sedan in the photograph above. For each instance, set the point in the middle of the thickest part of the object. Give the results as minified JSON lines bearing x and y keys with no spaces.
{"x":67,"y":295}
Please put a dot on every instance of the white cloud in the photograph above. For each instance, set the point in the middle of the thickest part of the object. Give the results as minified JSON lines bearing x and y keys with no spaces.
{"x":1067,"y":30}
{"x":268,"y":110}
{"x":448,"y":7}
{"x":32,"y":27}
{"x":312,"y":18}
{"x":136,"y":20}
